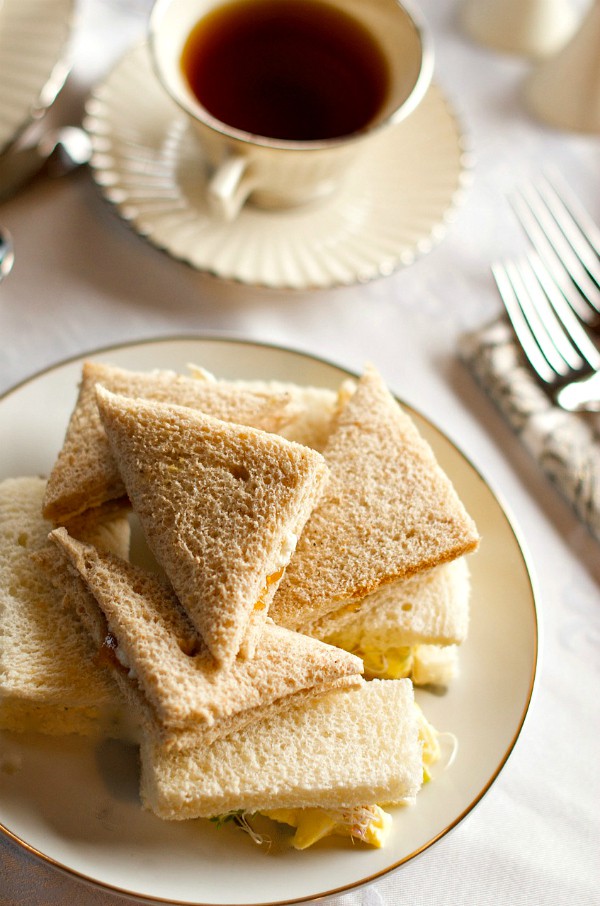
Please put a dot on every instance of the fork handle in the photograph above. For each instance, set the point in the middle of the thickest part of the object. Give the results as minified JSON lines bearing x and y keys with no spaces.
{"x":581,"y":396}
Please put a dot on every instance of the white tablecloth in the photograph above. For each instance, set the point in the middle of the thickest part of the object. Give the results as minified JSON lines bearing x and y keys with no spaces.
{"x":83,"y":279}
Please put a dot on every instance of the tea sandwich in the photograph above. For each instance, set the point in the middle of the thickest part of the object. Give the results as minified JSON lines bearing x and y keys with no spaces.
{"x":342,"y":753}
{"x":49,"y":678}
{"x":409,"y":628}
{"x":312,"y":410}
{"x":164,"y":669}
{"x":85,"y":474}
{"x":221,"y":506}
{"x":388,"y":512}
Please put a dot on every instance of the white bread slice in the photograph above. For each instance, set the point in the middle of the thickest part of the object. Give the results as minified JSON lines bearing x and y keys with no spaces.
{"x":407,"y":628}
{"x":221,"y":507}
{"x":347,"y":748}
{"x":430,"y":608}
{"x":434,"y":665}
{"x":48,"y":678}
{"x":157,"y":650}
{"x":389,"y":511}
{"x":85,"y":475}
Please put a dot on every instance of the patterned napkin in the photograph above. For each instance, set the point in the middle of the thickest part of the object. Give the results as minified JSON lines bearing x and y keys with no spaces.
{"x":566,"y":445}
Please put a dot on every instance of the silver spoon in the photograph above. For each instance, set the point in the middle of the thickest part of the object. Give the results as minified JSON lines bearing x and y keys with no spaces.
{"x":57,"y":152}
{"x":7,"y":253}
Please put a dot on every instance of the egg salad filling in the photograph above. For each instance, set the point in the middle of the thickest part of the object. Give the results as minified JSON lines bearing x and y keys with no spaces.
{"x":368,"y":824}
{"x":393,"y":663}
{"x":425,"y":664}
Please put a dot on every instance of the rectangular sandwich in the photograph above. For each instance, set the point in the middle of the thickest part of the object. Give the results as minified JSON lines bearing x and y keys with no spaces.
{"x":49,"y":678}
{"x":334,"y":760}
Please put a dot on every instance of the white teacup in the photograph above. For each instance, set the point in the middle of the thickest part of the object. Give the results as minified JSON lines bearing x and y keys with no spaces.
{"x":281,"y":172}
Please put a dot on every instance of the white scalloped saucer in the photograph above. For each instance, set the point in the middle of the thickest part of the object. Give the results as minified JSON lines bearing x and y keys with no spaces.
{"x":395,"y":205}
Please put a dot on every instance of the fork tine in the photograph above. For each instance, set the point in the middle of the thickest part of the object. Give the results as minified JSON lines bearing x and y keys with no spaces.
{"x":552,"y":236}
{"x":502,"y":275}
{"x":570,"y":228}
{"x":568,"y":201}
{"x":555,"y":347}
{"x":547,"y":327}
{"x":567,"y":237}
{"x":567,"y":319}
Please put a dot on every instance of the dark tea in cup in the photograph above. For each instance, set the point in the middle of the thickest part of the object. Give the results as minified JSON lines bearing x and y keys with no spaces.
{"x":298,"y":71}
{"x":284,"y":95}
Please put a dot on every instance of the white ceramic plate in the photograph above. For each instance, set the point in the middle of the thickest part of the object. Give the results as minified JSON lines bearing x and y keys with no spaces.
{"x":395,"y":205}
{"x":76,"y":805}
{"x":33,"y":60}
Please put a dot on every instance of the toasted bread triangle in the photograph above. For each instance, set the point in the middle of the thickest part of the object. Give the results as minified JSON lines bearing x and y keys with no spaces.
{"x":221,"y":507}
{"x":388,"y":512}
{"x":158,"y":653}
{"x":85,"y":474}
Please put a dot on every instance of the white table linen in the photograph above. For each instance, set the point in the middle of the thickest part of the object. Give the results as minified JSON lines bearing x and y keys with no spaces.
{"x":83,"y":279}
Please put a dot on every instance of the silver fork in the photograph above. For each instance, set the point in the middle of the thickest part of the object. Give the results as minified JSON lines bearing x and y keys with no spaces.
{"x":566,"y":239}
{"x":557,"y":346}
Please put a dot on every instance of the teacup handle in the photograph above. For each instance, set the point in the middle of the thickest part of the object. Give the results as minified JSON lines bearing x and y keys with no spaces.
{"x":229,"y":187}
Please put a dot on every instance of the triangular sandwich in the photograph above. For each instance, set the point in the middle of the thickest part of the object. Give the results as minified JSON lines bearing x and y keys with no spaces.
{"x":388,"y":512}
{"x":312,"y":409}
{"x":164,"y":668}
{"x":85,"y":475}
{"x":221,"y":507}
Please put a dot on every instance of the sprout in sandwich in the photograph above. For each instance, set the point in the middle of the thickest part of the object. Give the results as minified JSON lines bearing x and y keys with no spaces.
{"x":364,"y":823}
